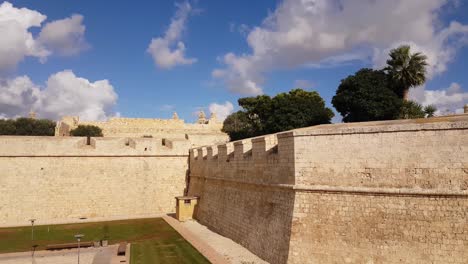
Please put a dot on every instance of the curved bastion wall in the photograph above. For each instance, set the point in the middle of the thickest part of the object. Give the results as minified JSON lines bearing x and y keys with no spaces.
{"x":373,"y":192}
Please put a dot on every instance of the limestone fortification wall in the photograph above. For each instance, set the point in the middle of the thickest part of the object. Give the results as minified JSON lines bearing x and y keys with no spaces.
{"x":204,"y":133}
{"x":374,"y":192}
{"x":62,"y":179}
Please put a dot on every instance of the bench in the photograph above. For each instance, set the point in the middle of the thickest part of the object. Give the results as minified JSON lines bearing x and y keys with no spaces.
{"x":68,"y":245}
{"x":122,"y":249}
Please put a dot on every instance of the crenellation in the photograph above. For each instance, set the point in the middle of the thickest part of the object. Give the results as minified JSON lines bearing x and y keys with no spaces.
{"x":198,"y":134}
{"x":242,"y":148}
{"x":212,"y":152}
{"x":225,"y":153}
{"x":348,"y":193}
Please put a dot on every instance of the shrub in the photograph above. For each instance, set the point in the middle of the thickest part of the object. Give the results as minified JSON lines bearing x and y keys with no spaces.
{"x":27,"y":127}
{"x":86,"y":131}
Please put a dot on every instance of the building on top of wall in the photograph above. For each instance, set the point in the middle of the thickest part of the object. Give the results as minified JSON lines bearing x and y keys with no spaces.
{"x":205,"y":131}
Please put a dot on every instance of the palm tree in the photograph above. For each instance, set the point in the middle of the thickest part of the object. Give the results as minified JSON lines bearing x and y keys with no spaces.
{"x":406,"y":70}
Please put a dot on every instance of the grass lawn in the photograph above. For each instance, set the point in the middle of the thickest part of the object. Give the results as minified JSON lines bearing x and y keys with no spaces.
{"x":153,"y":240}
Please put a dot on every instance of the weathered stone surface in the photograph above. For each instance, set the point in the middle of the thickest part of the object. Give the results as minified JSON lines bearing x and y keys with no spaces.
{"x":375,"y":192}
{"x":203,"y":133}
{"x":61,"y":179}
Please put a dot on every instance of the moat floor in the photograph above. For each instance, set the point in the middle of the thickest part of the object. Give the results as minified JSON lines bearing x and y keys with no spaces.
{"x":152,"y":241}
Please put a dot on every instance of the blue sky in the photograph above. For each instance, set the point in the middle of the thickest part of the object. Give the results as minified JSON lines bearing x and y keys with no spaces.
{"x":230,"y":49}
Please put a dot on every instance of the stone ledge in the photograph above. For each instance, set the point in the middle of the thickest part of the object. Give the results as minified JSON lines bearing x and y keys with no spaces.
{"x":353,"y":190}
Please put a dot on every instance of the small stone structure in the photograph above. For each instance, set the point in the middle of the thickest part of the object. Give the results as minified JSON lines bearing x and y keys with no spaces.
{"x":185,"y":207}
{"x":373,"y":192}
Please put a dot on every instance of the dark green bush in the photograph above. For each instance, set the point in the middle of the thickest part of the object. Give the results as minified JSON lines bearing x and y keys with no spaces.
{"x":86,"y":131}
{"x":27,"y":127}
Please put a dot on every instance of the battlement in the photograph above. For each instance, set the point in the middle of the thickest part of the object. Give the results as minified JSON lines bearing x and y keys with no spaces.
{"x":304,"y":188}
{"x":203,"y":133}
{"x":253,"y":148}
{"x":16,"y":146}
{"x":318,"y":155}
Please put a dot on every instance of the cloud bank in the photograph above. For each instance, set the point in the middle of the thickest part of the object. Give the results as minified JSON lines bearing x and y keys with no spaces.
{"x":64,"y":37}
{"x":169,"y":51}
{"x":316,"y":32}
{"x":448,"y":100}
{"x":64,"y":94}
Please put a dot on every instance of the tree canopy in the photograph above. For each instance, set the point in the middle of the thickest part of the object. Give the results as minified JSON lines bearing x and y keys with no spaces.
{"x":27,"y":127}
{"x":238,"y":126}
{"x":264,"y":115}
{"x":383,"y":94}
{"x":366,"y":96}
{"x":86,"y":131}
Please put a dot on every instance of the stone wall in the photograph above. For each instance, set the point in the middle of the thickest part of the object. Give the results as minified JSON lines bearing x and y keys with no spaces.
{"x":205,"y":133}
{"x":62,"y":179}
{"x":375,"y":192}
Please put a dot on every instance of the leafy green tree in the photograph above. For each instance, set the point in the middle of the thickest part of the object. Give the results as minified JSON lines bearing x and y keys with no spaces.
{"x":24,"y":126}
{"x":7,"y":127}
{"x":263,"y":115}
{"x":238,"y":126}
{"x":86,"y":131}
{"x":258,"y":110}
{"x":406,"y":69}
{"x":44,"y":127}
{"x":366,"y":96}
{"x":27,"y":127}
{"x":296,"y":109}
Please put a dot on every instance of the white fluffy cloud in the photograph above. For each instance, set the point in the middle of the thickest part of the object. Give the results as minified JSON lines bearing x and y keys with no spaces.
{"x":447,"y":100}
{"x":17,"y":42}
{"x":221,"y":110}
{"x":169,"y":51}
{"x":63,"y":94}
{"x":311,"y":32}
{"x":66,"y":36}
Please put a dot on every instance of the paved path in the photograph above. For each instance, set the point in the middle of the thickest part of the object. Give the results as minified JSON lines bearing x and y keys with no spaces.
{"x":102,"y":255}
{"x":69,"y":256}
{"x":206,"y":250}
{"x":216,"y":248}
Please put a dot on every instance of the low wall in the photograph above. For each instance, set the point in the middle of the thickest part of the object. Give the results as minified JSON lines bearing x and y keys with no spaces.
{"x":62,"y":179}
{"x":375,"y":192}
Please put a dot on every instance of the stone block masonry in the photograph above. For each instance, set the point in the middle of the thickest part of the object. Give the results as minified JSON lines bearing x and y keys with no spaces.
{"x":63,"y":179}
{"x":374,"y":192}
{"x":204,"y":132}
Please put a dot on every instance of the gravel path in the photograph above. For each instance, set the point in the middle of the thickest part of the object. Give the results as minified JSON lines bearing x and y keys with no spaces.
{"x":232,"y":251}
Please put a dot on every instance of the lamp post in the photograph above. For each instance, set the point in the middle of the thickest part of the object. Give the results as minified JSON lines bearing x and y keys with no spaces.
{"x":78,"y":237}
{"x":32,"y":220}
{"x":32,"y":228}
